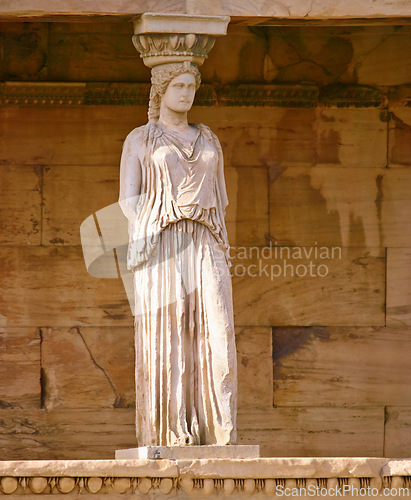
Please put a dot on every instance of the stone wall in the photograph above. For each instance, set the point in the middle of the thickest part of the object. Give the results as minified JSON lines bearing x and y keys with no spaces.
{"x":316,"y":130}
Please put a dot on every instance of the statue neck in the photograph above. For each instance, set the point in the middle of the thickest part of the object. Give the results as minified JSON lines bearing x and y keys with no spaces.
{"x":173,"y":120}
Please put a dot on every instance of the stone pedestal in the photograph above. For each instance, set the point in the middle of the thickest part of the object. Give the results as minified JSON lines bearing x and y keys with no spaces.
{"x":188,"y":452}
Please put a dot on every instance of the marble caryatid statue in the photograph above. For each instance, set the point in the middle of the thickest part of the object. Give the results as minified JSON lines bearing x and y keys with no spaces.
{"x":173,"y":192}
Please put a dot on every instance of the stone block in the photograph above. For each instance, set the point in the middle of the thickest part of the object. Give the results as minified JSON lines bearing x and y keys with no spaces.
{"x":24,"y":51}
{"x":289,"y":9}
{"x":398,"y":287}
{"x":51,"y":286}
{"x":325,"y":206}
{"x":397,"y":441}
{"x":394,"y":204}
{"x":225,"y":62}
{"x":278,"y":138}
{"x":314,"y":432}
{"x":399,"y":138}
{"x":349,"y":207}
{"x":89,"y":135}
{"x":65,"y":434}
{"x":285,"y":432}
{"x":85,"y":367}
{"x":274,"y":137}
{"x":381,"y":55}
{"x":247,"y":210}
{"x":89,"y":468}
{"x":263,"y":137}
{"x":94,"y":52}
{"x":320,"y":54}
{"x":348,"y":366}
{"x":285,"y":468}
{"x":20,"y":367}
{"x":73,"y":193}
{"x":203,"y":452}
{"x":293,"y":287}
{"x":88,"y":367}
{"x":20,"y":205}
{"x":254,"y":367}
{"x":87,"y":190}
{"x":344,"y":137}
{"x":306,"y":10}
{"x":397,"y":468}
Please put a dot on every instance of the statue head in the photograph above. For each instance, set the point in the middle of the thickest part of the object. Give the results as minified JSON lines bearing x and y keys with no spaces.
{"x":161,"y":76}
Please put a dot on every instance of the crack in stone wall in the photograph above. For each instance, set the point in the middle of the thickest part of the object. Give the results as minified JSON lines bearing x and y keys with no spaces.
{"x":119,"y":402}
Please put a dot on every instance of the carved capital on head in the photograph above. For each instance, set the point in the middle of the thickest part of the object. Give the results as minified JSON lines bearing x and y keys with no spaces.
{"x":170,"y":38}
{"x":163,"y":48}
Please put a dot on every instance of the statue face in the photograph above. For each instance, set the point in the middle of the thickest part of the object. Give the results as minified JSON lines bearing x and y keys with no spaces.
{"x":180,"y":93}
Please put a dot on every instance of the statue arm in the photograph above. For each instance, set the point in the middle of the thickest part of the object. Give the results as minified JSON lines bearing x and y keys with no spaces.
{"x":220,"y":175}
{"x":130,"y":176}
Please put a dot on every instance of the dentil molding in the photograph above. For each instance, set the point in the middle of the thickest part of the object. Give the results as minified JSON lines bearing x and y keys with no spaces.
{"x":214,"y":477}
{"x":136,"y":94}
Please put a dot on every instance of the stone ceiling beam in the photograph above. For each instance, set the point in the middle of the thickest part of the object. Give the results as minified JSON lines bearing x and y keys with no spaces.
{"x":249,"y":12}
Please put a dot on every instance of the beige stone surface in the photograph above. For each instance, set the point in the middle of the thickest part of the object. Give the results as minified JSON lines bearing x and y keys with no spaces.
{"x":155,"y":22}
{"x":20,"y":368}
{"x":194,"y":452}
{"x":71,"y":194}
{"x":395,"y":207}
{"x":254,"y":367}
{"x":75,"y":468}
{"x":314,"y":432}
{"x":51,"y":286}
{"x":351,"y":292}
{"x":261,"y":467}
{"x":400,"y":137}
{"x":397,"y":440}
{"x":94,"y":52}
{"x":348,"y":207}
{"x":323,"y":55}
{"x":26,"y":52}
{"x":330,"y":54}
{"x":20,"y":205}
{"x":397,"y":468}
{"x":287,"y":467}
{"x":88,"y":367}
{"x":321,"y":9}
{"x":65,"y":434}
{"x":90,"y":189}
{"x":26,"y":8}
{"x":288,"y":9}
{"x":398,"y":287}
{"x":90,"y":135}
{"x":262,"y":137}
{"x":223,"y":68}
{"x":344,"y":135}
{"x":286,"y":137}
{"x":247,"y":212}
{"x":385,"y":63}
{"x":349,"y":366}
{"x":327,"y":206}
{"x":285,"y":432}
